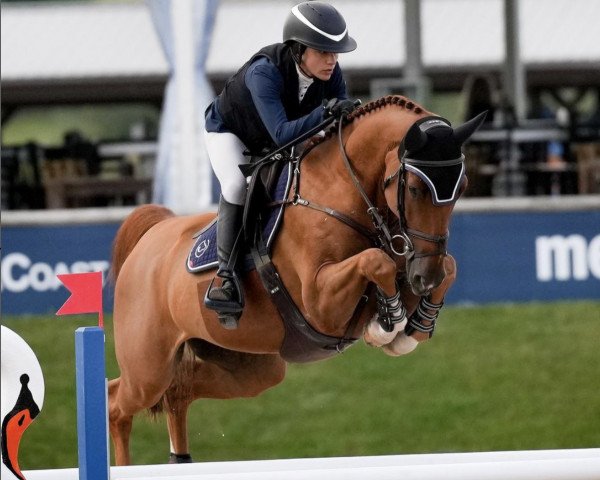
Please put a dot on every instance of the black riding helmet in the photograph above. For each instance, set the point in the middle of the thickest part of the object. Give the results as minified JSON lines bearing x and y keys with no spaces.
{"x":320,"y":26}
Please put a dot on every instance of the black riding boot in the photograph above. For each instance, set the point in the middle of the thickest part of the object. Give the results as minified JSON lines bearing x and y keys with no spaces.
{"x":227,"y":298}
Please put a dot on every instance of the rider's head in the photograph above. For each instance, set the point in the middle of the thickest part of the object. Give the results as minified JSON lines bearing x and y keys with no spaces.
{"x":316,"y":33}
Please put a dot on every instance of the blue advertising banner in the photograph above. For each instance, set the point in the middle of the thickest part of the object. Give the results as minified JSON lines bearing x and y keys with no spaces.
{"x":502,"y":256}
{"x":32,"y":256}
{"x":524,"y":256}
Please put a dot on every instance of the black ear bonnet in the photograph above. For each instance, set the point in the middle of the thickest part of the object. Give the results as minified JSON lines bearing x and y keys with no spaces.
{"x":432,"y":150}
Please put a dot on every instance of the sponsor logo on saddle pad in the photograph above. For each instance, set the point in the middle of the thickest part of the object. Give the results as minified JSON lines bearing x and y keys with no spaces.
{"x":201,"y":248}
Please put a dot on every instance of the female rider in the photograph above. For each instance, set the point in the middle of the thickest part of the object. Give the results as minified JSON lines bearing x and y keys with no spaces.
{"x":283,"y":91}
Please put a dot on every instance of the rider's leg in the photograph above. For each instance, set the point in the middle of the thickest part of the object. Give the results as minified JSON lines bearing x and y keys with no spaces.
{"x":228,"y":232}
{"x":225,"y":151}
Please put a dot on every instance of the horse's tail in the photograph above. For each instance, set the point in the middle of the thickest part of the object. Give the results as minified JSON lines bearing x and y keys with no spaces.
{"x":133,"y":228}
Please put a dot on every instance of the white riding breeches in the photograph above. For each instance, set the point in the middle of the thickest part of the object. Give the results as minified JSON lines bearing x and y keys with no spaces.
{"x":226,"y":152}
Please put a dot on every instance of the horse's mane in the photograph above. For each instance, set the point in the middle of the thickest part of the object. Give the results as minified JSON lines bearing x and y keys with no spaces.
{"x":383,"y":102}
{"x":369,"y":107}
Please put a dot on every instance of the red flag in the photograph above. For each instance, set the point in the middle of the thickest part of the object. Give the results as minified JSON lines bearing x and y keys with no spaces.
{"x":86,"y":294}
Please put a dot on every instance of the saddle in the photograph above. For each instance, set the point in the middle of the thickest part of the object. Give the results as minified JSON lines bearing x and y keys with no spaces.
{"x":264,"y":206}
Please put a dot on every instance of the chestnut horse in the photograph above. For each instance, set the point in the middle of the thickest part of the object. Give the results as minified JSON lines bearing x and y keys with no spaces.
{"x":382,"y":174}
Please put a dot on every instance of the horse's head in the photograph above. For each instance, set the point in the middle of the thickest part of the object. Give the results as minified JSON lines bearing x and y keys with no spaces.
{"x":430,"y":181}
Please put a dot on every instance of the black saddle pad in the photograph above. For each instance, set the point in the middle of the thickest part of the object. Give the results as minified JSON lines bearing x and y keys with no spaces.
{"x":203,"y":255}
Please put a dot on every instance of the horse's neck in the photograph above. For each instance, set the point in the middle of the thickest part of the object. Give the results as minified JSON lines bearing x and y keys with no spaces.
{"x":372,"y":137}
{"x":367,"y":140}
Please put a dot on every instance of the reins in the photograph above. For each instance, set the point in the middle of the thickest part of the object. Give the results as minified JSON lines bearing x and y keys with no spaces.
{"x":381,"y":237}
{"x":384,"y":236}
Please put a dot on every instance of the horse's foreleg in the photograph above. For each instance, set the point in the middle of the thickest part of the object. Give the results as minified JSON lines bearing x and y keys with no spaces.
{"x":405,"y":343}
{"x":326,"y":297}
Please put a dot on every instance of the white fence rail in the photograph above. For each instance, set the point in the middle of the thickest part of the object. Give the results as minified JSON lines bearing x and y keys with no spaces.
{"x":580,"y":464}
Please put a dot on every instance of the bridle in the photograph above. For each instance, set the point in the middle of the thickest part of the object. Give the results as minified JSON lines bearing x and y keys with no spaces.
{"x":382,"y":236}
{"x":419,"y":167}
{"x":406,"y":233}
{"x":389,"y":314}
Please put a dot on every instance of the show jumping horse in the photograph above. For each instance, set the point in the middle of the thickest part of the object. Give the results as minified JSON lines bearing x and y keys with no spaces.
{"x":361,"y":251}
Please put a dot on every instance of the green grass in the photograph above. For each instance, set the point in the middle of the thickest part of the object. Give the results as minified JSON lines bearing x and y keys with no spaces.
{"x":511,"y":377}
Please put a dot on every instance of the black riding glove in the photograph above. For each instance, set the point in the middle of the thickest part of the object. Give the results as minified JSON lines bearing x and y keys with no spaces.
{"x":340,"y":108}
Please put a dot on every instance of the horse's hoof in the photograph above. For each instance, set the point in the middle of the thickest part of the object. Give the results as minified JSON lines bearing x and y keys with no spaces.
{"x":229,"y":322}
{"x":376,"y":336}
{"x":401,"y":345}
{"x":181,"y":458}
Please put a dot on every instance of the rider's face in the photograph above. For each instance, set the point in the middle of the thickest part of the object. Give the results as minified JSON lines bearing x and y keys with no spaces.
{"x":318,"y":64}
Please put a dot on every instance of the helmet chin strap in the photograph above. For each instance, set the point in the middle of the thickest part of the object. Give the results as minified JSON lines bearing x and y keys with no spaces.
{"x":297,"y":50}
{"x":304,"y":71}
{"x":297,"y":56}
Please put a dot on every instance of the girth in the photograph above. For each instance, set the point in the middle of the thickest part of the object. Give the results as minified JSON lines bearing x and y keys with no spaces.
{"x":301,"y":343}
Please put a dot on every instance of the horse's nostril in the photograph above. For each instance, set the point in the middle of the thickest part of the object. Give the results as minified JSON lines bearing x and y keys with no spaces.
{"x":418,"y":285}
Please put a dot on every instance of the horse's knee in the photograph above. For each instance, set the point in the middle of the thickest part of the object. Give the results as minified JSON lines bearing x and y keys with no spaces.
{"x":438,"y":293}
{"x":118,"y":419}
{"x":450,"y":269}
{"x":376,"y":260}
{"x":113,"y":389}
{"x":377,"y":266}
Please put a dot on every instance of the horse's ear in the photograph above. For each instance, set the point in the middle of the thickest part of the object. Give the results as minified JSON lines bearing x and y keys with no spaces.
{"x":415,"y":138}
{"x":467,"y":129}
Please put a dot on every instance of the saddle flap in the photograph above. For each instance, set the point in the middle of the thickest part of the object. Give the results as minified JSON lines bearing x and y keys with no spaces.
{"x":261,"y":191}
{"x":203,"y":254}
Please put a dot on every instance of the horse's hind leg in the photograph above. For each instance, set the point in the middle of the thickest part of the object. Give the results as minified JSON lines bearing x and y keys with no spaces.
{"x":125,"y":400}
{"x":178,"y":435}
{"x":120,"y":425}
{"x":145,"y":377}
{"x":221,"y":374}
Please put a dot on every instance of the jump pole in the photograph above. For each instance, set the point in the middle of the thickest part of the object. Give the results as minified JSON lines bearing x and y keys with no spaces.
{"x":90,"y":375}
{"x":92,"y":414}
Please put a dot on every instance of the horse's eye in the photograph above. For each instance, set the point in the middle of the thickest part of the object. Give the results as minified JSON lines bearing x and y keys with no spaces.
{"x":414,"y":192}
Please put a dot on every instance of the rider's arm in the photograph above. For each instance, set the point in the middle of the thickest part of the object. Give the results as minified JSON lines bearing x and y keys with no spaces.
{"x":266,"y":84}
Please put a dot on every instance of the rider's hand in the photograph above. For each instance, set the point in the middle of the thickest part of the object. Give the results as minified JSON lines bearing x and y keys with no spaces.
{"x":340,"y":108}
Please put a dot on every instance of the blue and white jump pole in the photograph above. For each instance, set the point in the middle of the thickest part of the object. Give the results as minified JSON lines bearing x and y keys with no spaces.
{"x":92,"y":413}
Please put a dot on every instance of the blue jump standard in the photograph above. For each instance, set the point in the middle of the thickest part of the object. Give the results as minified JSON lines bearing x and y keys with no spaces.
{"x":92,"y":419}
